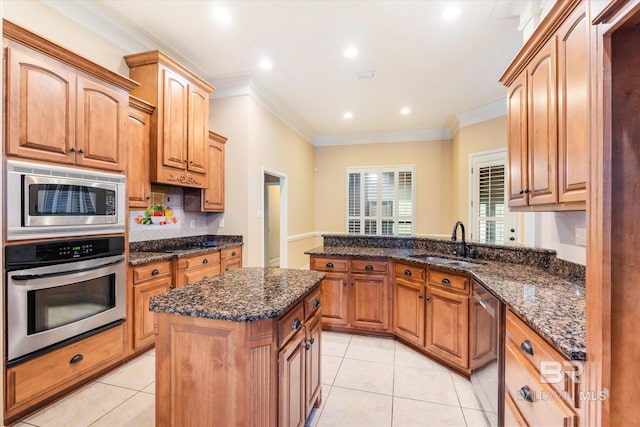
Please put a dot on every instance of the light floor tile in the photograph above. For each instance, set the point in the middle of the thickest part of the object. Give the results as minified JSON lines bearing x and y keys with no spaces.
{"x":366,"y":376}
{"x":406,"y":356}
{"x":415,"y":413}
{"x":136,"y":375}
{"x":465,"y":392}
{"x":335,"y":344}
{"x":371,"y":349}
{"x":424,"y":384}
{"x":151,"y":388}
{"x":82,"y":407}
{"x":355,"y":408}
{"x":139,"y":411}
{"x":476,"y":418}
{"x":329,"y":368}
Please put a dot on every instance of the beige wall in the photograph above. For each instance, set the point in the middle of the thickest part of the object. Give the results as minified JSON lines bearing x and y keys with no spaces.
{"x":479,"y":137}
{"x":433,"y":181}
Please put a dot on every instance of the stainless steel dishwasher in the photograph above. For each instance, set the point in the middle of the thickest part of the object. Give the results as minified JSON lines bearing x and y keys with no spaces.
{"x":487,"y":348}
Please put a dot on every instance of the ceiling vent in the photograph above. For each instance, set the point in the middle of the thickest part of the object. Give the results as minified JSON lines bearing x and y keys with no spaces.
{"x":363,"y":75}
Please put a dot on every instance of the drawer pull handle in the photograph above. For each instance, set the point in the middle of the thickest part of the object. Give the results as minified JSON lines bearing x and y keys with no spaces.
{"x":296,"y":324}
{"x":369,"y":267}
{"x":407,"y":272}
{"x":316,"y":303}
{"x":155,"y":272}
{"x":75,"y":359}
{"x":312,"y":340}
{"x":205,"y":261}
{"x":527,"y":347}
{"x":329,"y":265}
{"x":233,"y":253}
{"x":307,"y":347}
{"x":446,"y":281}
{"x":525,"y":392}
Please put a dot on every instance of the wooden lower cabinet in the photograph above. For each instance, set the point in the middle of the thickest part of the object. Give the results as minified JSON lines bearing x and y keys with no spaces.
{"x":230,"y":258}
{"x":34,"y":383}
{"x":369,"y":301}
{"x":447,"y":335}
{"x":334,"y":299}
{"x":194,"y":268}
{"x":291,"y":386}
{"x":408,"y":311}
{"x":313,"y":360}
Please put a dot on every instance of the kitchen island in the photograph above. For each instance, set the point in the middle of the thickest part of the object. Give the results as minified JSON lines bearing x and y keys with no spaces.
{"x":242,"y":348}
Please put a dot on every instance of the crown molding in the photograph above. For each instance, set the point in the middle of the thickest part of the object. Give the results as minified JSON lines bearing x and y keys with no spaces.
{"x":401,"y":135}
{"x":483,"y":113}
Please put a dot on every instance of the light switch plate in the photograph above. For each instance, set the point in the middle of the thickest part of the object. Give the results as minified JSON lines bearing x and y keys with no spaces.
{"x":581,"y":236}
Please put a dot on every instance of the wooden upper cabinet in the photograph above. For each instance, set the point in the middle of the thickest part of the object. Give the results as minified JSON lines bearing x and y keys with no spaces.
{"x":517,"y":145}
{"x":213,"y":195}
{"x":60,"y":107}
{"x":179,"y":145}
{"x":573,"y":106}
{"x":138,"y":146}
{"x":542,"y":127}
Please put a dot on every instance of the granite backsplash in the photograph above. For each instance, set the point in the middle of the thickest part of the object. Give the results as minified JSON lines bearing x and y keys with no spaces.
{"x":183,"y":242}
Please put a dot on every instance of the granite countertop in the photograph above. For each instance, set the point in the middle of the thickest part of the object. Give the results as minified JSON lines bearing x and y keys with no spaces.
{"x":242,"y":295}
{"x":551,"y":305}
{"x":144,"y":257}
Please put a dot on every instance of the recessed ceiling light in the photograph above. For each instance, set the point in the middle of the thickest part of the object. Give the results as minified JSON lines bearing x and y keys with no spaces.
{"x":222,"y":15}
{"x":405,"y":111}
{"x":450,"y":13}
{"x":348,"y":115}
{"x":351,"y":52}
{"x":265,"y":64}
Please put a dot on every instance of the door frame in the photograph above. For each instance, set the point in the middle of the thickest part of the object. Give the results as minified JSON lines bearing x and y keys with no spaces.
{"x":283,"y":215}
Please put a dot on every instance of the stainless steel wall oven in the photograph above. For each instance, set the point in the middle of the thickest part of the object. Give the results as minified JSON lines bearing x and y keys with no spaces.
{"x":61,"y":291}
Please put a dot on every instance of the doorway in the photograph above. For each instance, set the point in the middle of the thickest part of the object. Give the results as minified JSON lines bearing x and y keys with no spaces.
{"x":275,"y":208}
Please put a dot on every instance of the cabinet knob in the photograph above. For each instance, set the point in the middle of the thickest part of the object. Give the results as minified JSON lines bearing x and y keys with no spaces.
{"x":427,"y":298}
{"x":296,"y":324}
{"x":312,"y":340}
{"x":155,"y":272}
{"x":233,"y":253}
{"x":81,"y":151}
{"x":72,"y":149}
{"x":369,"y":267}
{"x":205,"y":261}
{"x":353,"y":284}
{"x":407,"y":272}
{"x":344,"y":283}
{"x":316,"y":303}
{"x":329,"y":265}
{"x":148,"y":198}
{"x":75,"y":359}
{"x":521,"y":192}
{"x":527,"y":191}
{"x":513,"y":239}
{"x":527,"y":347}
{"x":525,"y":392}
{"x":419,"y":296}
{"x":446,"y":281}
{"x":307,"y":347}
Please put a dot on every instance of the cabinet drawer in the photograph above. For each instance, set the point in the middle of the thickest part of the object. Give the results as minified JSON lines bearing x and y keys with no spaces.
{"x":290,"y":323}
{"x":52,"y":372}
{"x":312,"y":303}
{"x":151,"y":270}
{"x":369,"y":266}
{"x":410,"y":272}
{"x":538,"y":403}
{"x":228,"y":253}
{"x":198,"y":261}
{"x":449,"y":280}
{"x":329,"y":264}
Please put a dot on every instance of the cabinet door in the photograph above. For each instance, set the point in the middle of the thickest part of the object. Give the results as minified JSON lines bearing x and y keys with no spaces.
{"x":143,"y":334}
{"x":573,"y":106}
{"x":334,"y":299}
{"x":408,"y":311}
{"x":517,"y":141}
{"x":312,"y":364}
{"x":447,"y":324}
{"x":542,"y":126}
{"x":174,"y":119}
{"x":101,"y":132}
{"x":291,"y":386}
{"x":198,"y":129}
{"x":369,"y":302}
{"x":193,"y":275}
{"x":213,"y":195}
{"x":40,"y":107}
{"x":138,"y":146}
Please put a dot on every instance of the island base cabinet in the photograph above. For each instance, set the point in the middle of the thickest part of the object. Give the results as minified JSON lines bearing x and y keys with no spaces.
{"x":291,"y":388}
{"x":215,"y":372}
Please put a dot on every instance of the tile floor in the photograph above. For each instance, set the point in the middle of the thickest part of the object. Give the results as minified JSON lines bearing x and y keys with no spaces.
{"x":367,"y":382}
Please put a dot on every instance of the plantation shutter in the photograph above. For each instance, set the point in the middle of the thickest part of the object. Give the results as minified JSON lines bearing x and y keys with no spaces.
{"x":491,"y":203}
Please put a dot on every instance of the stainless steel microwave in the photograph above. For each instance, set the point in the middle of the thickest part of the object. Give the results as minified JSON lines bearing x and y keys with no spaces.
{"x":52,"y":201}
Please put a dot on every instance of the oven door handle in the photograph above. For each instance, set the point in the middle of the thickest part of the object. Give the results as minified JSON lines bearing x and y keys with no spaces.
{"x":65,"y":273}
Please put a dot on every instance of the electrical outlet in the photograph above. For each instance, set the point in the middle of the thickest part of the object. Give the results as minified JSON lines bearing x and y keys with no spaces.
{"x":221,"y":223}
{"x":581,"y":236}
{"x":192,"y":223}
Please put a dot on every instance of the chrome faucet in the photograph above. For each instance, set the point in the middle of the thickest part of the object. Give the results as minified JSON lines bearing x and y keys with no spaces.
{"x":463,"y":246}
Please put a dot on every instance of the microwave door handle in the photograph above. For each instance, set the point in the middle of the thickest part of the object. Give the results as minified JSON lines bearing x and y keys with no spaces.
{"x":64,"y":273}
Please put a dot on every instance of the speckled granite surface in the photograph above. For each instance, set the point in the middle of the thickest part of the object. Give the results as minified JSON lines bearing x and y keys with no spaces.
{"x":551,"y":303}
{"x":157,"y":250}
{"x":242,"y":295}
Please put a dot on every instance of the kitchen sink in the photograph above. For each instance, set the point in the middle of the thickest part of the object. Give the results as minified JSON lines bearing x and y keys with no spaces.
{"x":442,"y":260}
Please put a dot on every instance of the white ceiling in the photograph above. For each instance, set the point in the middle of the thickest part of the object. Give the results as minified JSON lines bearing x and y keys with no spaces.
{"x":435,"y":67}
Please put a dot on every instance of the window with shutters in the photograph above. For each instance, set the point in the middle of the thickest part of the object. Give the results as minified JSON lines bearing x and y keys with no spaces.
{"x":492,"y":222}
{"x":381,"y":200}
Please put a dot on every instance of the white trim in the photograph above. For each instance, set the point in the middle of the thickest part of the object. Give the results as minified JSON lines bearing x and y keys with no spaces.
{"x":284,"y":221}
{"x":402,"y":135}
{"x":274,"y":262}
{"x":483,"y":113}
{"x":302,"y":236}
